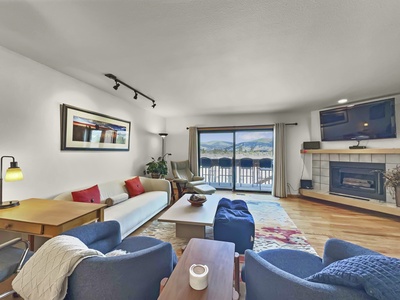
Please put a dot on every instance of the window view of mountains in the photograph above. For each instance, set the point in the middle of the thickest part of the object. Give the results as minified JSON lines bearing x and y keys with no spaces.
{"x":262,"y":147}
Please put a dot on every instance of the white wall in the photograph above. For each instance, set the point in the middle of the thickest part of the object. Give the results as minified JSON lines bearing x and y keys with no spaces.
{"x":178,"y":137}
{"x":30,"y":98}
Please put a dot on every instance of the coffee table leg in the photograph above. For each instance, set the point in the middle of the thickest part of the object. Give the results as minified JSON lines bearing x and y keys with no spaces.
{"x":237,"y":273}
{"x":190,"y":231}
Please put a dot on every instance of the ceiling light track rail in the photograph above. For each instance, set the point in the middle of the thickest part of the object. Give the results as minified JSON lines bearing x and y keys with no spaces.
{"x":118,"y":82}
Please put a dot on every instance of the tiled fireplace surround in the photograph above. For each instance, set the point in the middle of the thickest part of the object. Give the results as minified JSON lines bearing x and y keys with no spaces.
{"x":320,"y":167}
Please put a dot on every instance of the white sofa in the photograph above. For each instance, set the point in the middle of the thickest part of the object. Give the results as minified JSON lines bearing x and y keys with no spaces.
{"x":134,"y":212}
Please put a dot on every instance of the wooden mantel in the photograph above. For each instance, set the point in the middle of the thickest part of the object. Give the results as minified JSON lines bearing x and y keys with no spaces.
{"x":372,"y":205}
{"x":352,"y":151}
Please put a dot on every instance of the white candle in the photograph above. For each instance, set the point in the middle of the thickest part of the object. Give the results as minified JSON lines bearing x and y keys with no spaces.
{"x":198,"y":279}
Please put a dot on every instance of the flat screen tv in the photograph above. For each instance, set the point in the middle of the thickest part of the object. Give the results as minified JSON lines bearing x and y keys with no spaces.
{"x":364,"y":121}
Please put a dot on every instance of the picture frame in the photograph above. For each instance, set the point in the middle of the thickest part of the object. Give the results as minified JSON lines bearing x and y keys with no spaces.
{"x":87,"y":130}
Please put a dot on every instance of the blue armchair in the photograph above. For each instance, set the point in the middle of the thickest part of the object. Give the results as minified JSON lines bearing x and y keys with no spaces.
{"x":280,"y":273}
{"x":136,"y":275}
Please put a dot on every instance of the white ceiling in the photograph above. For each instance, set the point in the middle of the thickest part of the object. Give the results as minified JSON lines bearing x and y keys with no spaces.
{"x":215,"y":56}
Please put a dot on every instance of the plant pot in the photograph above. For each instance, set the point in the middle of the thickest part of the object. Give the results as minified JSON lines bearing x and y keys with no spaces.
{"x":397,"y":195}
{"x":155,"y":175}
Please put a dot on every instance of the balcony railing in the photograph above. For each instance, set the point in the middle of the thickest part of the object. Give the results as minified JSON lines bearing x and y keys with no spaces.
{"x":246,"y":178}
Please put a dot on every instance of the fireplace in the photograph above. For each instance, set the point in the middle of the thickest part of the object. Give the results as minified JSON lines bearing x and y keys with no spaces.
{"x":358,"y":180}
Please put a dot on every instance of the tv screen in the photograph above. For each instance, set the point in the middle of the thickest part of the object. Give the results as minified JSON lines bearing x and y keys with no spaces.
{"x":371,"y":120}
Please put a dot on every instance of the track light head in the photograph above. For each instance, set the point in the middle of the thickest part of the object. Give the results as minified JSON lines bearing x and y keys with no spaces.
{"x":116,"y":86}
{"x":154,"y":105}
{"x":135,"y":97}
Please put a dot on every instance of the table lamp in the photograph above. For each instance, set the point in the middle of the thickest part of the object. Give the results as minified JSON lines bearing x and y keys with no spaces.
{"x":13,"y":173}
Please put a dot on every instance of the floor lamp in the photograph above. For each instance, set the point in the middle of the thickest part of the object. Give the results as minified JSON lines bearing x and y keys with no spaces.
{"x":163,"y":135}
{"x":13,"y":173}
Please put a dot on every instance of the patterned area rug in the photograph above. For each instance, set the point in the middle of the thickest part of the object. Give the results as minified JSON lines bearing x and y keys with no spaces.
{"x":274,"y":229}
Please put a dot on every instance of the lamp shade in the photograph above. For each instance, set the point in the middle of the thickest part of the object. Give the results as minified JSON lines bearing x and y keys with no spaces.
{"x":13,"y":174}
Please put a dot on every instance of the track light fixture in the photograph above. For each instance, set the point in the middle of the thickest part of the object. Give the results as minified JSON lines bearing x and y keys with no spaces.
{"x":118,"y":82}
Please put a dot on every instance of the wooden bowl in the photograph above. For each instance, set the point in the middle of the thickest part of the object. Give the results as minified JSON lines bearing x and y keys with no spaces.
{"x":197,"y":203}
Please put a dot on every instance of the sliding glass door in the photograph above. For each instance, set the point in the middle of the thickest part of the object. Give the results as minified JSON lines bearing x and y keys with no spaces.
{"x":237,"y":159}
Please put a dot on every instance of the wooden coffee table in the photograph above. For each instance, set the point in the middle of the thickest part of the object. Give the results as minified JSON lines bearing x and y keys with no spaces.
{"x":190,"y":220}
{"x":219,"y":258}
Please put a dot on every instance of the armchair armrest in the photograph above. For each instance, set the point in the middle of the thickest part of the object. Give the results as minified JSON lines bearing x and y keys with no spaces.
{"x":197,"y":178}
{"x":336,"y":249}
{"x":23,"y":252}
{"x":10,"y":243}
{"x":180,"y":181}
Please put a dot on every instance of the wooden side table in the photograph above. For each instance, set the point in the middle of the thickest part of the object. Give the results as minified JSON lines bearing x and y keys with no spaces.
{"x":218,"y":256}
{"x":48,"y":218}
{"x":171,"y":182}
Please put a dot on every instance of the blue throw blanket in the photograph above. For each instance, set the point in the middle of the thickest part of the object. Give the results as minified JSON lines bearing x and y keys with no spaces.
{"x":378,"y":275}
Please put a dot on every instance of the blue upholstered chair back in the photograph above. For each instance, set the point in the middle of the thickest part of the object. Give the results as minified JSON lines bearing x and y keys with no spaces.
{"x":225,"y":162}
{"x":265,"y":163}
{"x":205,"y":162}
{"x":102,"y":236}
{"x":246,"y":162}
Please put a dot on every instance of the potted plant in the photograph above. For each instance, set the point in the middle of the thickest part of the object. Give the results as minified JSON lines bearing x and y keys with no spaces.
{"x":392,"y":181}
{"x":157,"y":168}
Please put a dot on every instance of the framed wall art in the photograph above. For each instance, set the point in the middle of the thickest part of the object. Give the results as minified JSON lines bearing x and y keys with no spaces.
{"x":86,"y":130}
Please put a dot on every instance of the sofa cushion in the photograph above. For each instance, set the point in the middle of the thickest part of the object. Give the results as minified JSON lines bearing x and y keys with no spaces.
{"x":117,"y":199}
{"x":89,"y":195}
{"x":378,"y":275}
{"x":134,"y":187}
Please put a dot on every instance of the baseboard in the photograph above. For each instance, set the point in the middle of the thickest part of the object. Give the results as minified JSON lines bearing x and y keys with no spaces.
{"x":293,"y":195}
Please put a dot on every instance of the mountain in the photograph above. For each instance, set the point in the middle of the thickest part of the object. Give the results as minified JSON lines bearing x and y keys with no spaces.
{"x":255,"y":145}
{"x":217,"y":145}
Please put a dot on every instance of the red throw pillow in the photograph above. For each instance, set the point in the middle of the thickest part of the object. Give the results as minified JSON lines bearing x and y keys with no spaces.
{"x":90,"y":195}
{"x":134,"y":187}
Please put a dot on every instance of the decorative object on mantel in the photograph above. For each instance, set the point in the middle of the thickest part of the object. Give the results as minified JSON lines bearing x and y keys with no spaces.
{"x":357,"y":146}
{"x":87,"y":130}
{"x":118,"y":82}
{"x":13,"y":173}
{"x":157,"y":168}
{"x":392,"y":181}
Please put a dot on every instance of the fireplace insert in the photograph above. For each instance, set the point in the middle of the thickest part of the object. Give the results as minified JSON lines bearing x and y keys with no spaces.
{"x":358,"y":180}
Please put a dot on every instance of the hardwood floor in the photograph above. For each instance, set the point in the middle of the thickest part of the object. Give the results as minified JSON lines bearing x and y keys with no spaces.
{"x":320,"y":221}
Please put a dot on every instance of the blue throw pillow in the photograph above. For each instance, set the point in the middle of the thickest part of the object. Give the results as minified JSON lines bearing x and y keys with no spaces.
{"x":378,"y":275}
